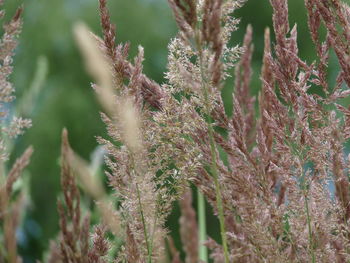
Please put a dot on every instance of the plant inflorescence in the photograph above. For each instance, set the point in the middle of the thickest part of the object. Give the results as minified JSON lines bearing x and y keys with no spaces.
{"x":266,"y":171}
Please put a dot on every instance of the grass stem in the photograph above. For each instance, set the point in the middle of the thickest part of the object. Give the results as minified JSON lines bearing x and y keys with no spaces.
{"x":308,"y":218}
{"x":214,"y":157}
{"x":202,"y":235}
{"x":149,"y":259}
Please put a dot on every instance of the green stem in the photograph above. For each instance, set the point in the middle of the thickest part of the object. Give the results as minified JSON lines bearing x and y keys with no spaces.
{"x":154,"y":230}
{"x":202,"y":235}
{"x":149,"y":259}
{"x":308,"y":218}
{"x":307,"y":211}
{"x":214,"y":169}
{"x":218,"y":194}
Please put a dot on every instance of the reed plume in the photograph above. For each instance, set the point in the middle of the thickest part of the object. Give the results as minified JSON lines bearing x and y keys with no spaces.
{"x":265,"y":172}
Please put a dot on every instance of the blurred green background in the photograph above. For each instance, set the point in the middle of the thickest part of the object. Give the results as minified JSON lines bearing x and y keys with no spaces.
{"x":66,"y":99}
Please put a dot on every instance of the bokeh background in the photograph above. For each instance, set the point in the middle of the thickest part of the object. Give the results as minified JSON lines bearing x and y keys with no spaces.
{"x":47,"y":50}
